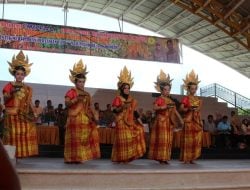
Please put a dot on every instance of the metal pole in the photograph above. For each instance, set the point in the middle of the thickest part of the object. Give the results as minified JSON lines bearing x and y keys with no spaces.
{"x":235,"y":100}
{"x":215,"y":93}
{"x":3,"y":9}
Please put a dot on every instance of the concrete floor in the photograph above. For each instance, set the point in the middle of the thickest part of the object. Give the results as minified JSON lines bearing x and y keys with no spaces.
{"x":105,"y":165}
{"x":54,"y":174}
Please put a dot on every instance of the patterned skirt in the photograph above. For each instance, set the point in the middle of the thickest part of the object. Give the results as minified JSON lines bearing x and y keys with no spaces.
{"x":20,"y":132}
{"x":191,"y":142}
{"x":161,"y":139}
{"x":81,"y":142}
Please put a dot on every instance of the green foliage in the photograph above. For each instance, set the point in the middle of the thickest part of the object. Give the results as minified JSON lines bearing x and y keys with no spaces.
{"x":244,"y":112}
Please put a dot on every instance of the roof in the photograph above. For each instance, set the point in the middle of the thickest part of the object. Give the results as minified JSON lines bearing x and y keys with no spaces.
{"x":219,"y":29}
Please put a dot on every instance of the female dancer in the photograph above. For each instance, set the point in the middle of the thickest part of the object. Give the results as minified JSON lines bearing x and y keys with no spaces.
{"x":19,"y":117}
{"x":129,"y":142}
{"x":81,"y":137}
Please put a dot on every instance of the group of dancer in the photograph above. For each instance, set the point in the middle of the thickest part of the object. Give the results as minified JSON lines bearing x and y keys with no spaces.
{"x":81,"y":137}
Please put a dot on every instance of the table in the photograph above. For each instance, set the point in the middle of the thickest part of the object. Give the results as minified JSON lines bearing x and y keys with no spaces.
{"x":206,"y":139}
{"x":48,"y":135}
{"x":107,"y":136}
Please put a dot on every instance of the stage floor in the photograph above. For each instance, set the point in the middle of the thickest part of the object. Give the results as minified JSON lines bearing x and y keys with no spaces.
{"x":54,"y":174}
{"x":57,"y":164}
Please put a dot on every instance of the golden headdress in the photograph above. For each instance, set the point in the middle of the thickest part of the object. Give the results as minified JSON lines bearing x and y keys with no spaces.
{"x":125,"y":77}
{"x":191,"y":78}
{"x":163,"y":79}
{"x":19,"y":61}
{"x":78,"y":68}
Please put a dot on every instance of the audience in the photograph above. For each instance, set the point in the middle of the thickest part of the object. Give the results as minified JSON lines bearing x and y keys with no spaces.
{"x":235,"y":123}
{"x":142,"y":116}
{"x":211,"y":128}
{"x":60,"y":121}
{"x":109,"y":116}
{"x":49,"y":113}
{"x":38,"y":111}
{"x":96,"y":111}
{"x":224,"y":133}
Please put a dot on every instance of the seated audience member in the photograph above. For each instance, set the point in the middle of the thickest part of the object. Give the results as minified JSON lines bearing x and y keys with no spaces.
{"x":38,"y":111}
{"x":49,"y":113}
{"x":211,"y":128}
{"x":218,"y":118}
{"x":102,"y":122}
{"x":96,"y":111}
{"x":149,"y":118}
{"x":235,"y":123}
{"x":236,"y":129}
{"x":109,"y":116}
{"x":9,"y":178}
{"x":244,"y":126}
{"x":142,"y":115}
{"x":244,"y":140}
{"x":224,"y":131}
{"x":210,"y":125}
{"x":60,"y":121}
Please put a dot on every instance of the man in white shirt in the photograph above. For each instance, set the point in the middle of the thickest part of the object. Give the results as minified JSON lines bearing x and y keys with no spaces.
{"x":38,"y":110}
{"x":210,"y":127}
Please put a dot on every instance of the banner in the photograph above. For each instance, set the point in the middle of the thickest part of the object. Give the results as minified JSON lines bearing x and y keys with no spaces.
{"x":64,"y":39}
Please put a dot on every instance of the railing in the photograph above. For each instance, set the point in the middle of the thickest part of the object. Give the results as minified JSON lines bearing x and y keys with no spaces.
{"x":227,"y":95}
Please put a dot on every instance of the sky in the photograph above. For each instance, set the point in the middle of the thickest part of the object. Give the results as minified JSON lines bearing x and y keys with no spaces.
{"x":51,"y":68}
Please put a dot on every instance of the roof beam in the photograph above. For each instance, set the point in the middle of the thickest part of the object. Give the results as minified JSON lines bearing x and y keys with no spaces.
{"x":242,"y":30}
{"x":156,"y":11}
{"x":85,"y":4}
{"x":190,"y":29}
{"x":132,"y":6}
{"x":171,"y":21}
{"x":203,"y":6}
{"x":248,"y":42}
{"x":210,"y":41}
{"x":220,"y":46}
{"x":221,"y":51}
{"x":109,"y":3}
{"x":237,"y":56}
{"x":205,"y":37}
{"x":234,"y":5}
{"x":45,"y":2}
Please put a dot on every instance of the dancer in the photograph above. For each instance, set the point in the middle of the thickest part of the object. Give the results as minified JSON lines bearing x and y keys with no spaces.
{"x":166,"y":116}
{"x":81,"y":137}
{"x":19,"y":117}
{"x":129,"y":143}
{"x":192,"y":133}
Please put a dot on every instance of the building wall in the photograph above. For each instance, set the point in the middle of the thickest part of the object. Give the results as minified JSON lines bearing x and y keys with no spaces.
{"x":56,"y":93}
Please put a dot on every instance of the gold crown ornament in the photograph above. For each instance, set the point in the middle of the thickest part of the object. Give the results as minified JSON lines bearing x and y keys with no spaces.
{"x":19,"y":61}
{"x":78,"y":68}
{"x":163,"y":79}
{"x":125,"y":77}
{"x":191,"y":78}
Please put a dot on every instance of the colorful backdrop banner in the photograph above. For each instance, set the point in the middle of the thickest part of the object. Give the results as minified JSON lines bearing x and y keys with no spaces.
{"x":64,"y":39}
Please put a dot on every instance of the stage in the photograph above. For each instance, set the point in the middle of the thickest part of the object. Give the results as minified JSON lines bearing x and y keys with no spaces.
{"x":52,"y":173}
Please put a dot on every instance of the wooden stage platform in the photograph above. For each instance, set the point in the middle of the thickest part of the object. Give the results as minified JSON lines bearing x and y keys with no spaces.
{"x":53,"y":174}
